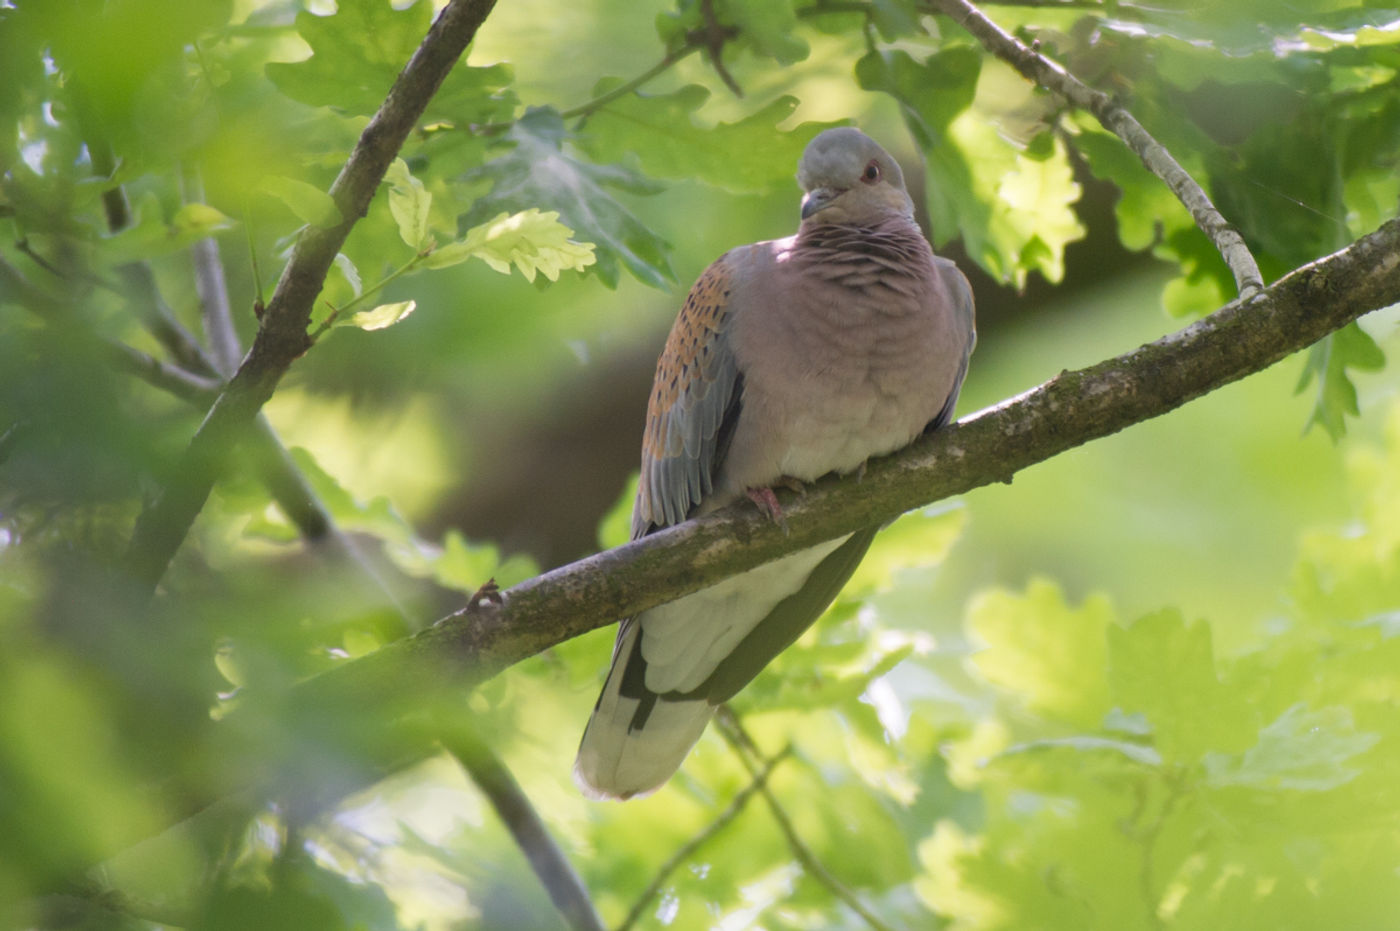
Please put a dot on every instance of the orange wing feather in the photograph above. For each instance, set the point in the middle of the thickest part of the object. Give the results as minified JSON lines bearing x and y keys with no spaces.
{"x":695,"y":378}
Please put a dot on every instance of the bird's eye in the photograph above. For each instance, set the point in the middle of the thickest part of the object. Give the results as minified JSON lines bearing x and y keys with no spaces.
{"x":871,"y":173}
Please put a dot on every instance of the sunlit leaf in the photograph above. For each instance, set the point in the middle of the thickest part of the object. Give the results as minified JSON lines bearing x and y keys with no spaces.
{"x":531,"y":241}
{"x":1012,"y":207}
{"x":196,"y":221}
{"x":385,"y":315}
{"x":1165,"y":668}
{"x":409,"y":202}
{"x":1050,"y":654}
{"x":538,"y":172}
{"x":377,"y":517}
{"x":462,"y":565}
{"x":311,"y":204}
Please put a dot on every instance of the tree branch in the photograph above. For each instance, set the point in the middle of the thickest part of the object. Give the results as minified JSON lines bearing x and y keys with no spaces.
{"x":473,"y":645}
{"x":282,"y":338}
{"x":565,"y":888}
{"x":1121,"y":123}
{"x":288,"y":486}
{"x":749,"y":754}
{"x":602,"y":100}
{"x":210,"y":286}
{"x":992,"y":445}
{"x":688,"y":849}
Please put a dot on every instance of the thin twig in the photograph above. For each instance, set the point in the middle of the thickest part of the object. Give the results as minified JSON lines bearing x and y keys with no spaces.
{"x":287,"y":484}
{"x":755,"y":762}
{"x":273,"y":464}
{"x":198,"y":390}
{"x":713,"y":37}
{"x":1121,"y":123}
{"x":688,"y":849}
{"x":602,"y":100}
{"x":209,"y":284}
{"x":138,"y":282}
{"x":556,"y":874}
{"x":25,"y":248}
{"x":143,"y":296}
{"x":282,"y":338}
{"x":622,"y":90}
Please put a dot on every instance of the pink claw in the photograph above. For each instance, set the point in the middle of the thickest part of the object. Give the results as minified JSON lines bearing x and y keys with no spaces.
{"x":767,"y":502}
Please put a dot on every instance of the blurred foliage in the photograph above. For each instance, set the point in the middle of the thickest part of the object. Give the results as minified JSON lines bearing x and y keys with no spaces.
{"x":1099,"y":698}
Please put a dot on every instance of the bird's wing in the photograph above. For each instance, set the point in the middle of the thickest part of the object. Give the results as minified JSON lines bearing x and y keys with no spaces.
{"x":959,"y":292}
{"x":694,"y":405}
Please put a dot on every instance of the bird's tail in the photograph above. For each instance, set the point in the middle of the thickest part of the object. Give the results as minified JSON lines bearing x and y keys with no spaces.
{"x":634,"y":743}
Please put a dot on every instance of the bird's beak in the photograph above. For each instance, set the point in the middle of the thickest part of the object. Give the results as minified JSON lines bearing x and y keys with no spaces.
{"x":818,"y":199}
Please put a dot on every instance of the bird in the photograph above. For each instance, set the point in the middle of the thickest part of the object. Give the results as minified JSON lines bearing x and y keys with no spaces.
{"x":789,"y":359}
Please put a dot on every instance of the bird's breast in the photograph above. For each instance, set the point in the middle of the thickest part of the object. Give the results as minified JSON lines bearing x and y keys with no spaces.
{"x":835,"y":374}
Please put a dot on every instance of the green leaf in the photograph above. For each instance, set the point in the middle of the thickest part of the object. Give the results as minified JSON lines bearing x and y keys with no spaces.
{"x":1034,"y":202}
{"x":1328,"y":361}
{"x":748,"y":156}
{"x":358,"y":52}
{"x":930,"y":93}
{"x":1012,"y":206}
{"x":539,"y":173}
{"x":193,"y":222}
{"x":378,"y":517}
{"x":385,"y":315}
{"x":150,"y":236}
{"x":311,"y":204}
{"x":894,"y":18}
{"x":1304,"y":751}
{"x":1150,"y":216}
{"x":462,"y":565}
{"x":769,"y":26}
{"x":530,"y":240}
{"x":1165,"y":668}
{"x":917,"y":540}
{"x":1050,"y":654}
{"x":409,"y":204}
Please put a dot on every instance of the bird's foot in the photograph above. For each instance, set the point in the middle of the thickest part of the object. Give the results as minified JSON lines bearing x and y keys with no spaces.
{"x":794,"y":485}
{"x":767,"y":502}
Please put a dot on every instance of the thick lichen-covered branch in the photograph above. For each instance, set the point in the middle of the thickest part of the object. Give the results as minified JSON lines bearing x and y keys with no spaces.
{"x":992,"y":445}
{"x":352,"y":703}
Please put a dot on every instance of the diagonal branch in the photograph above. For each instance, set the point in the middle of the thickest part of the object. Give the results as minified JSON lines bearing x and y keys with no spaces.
{"x":469,"y":647}
{"x":209,"y":284}
{"x":1036,"y":67}
{"x":282,"y":338}
{"x":565,"y":888}
{"x":289,"y":488}
{"x":990,"y":446}
{"x":749,"y":754}
{"x":687,"y":850}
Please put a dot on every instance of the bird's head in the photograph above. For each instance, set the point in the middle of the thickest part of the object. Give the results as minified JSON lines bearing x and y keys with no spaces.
{"x":850,"y":179}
